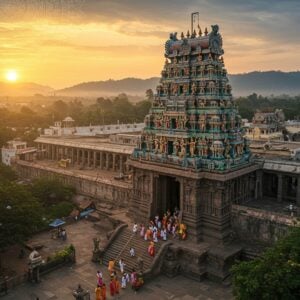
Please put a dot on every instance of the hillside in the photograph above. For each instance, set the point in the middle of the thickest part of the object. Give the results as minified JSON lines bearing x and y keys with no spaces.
{"x":264,"y":83}
{"x":24,"y":89}
{"x":130,"y":86}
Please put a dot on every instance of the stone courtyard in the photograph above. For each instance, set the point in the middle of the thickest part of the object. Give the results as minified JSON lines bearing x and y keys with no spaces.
{"x":60,"y":283}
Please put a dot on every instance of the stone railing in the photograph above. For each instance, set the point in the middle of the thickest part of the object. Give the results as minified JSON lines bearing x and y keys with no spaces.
{"x":156,"y":265}
{"x":98,"y":255}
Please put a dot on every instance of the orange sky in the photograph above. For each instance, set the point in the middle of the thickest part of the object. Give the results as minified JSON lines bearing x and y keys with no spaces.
{"x":64,"y":45}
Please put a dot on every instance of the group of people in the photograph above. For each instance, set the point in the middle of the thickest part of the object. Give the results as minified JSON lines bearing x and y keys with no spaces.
{"x":134,"y":279}
{"x":60,"y":233}
{"x":161,"y":228}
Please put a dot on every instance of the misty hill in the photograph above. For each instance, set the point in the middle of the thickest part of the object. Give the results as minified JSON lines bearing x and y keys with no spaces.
{"x":130,"y":86}
{"x":23,"y":89}
{"x":264,"y":83}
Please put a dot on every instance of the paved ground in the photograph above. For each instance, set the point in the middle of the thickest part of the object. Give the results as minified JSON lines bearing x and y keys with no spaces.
{"x":59,"y":284}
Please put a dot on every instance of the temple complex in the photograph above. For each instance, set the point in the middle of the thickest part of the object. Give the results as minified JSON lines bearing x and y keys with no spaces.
{"x":193,"y":154}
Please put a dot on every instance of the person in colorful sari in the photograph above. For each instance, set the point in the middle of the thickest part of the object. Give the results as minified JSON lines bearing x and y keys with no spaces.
{"x":98,"y":292}
{"x":151,"y":249}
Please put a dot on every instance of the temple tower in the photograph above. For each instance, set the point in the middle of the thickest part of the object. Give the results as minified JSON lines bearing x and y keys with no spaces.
{"x":193,"y":154}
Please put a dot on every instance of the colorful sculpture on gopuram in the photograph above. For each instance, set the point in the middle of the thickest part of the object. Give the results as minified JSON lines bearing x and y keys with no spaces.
{"x":193,"y":121}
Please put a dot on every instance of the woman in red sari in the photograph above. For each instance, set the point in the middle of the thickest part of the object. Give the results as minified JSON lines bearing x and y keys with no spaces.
{"x":151,"y":249}
{"x":112,"y":287}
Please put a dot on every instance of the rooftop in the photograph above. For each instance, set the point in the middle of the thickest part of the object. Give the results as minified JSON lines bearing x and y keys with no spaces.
{"x":100,"y":144}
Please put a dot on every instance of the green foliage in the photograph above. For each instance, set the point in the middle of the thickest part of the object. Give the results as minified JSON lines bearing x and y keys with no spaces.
{"x":276,"y":275}
{"x":21,"y":214}
{"x":63,"y":254}
{"x":51,"y":191}
{"x":59,"y":210}
{"x":7,"y":173}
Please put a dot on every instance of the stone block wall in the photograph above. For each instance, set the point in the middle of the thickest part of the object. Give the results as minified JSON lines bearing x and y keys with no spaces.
{"x":255,"y":225}
{"x":102,"y":192}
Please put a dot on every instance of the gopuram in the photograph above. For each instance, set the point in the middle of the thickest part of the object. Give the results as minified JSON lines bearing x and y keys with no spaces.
{"x":193,"y":154}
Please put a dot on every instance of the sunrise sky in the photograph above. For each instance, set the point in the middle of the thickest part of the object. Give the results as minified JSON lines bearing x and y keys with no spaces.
{"x":64,"y":42}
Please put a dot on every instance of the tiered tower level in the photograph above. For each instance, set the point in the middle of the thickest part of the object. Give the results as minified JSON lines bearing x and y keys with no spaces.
{"x":194,"y":122}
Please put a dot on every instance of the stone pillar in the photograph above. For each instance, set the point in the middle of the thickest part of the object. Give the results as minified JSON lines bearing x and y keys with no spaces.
{"x":298,"y":192}
{"x":52,"y":152}
{"x":114,"y":162}
{"x":72,"y":156}
{"x":258,"y":187}
{"x":77,"y":156}
{"x":107,"y":161}
{"x":94,"y":159}
{"x":101,"y":160}
{"x":279,"y":188}
{"x":57,"y":153}
{"x":89,"y":158}
{"x":121,"y":163}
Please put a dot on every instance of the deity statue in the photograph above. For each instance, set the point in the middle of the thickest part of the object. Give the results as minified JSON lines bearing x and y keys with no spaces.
{"x":183,"y":122}
{"x":175,"y":89}
{"x":192,"y":147}
{"x":96,"y":244}
{"x":194,"y":88}
{"x":167,"y":122}
{"x":182,"y":148}
{"x":202,"y":103}
{"x":162,"y":147}
{"x":193,"y":121}
{"x":202,"y":122}
{"x":176,"y":147}
{"x":156,"y":145}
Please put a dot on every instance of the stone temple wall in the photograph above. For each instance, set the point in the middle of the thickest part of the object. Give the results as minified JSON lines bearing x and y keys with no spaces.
{"x":255,"y":225}
{"x":102,"y":192}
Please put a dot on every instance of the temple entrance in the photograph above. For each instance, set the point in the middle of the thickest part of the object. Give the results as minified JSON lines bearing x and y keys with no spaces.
{"x":167,"y":195}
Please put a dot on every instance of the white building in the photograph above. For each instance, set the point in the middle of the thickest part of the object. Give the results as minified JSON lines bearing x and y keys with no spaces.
{"x":67,"y":128}
{"x":14,"y":149}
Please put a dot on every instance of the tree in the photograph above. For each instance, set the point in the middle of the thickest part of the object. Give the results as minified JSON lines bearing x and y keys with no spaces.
{"x":21,"y":214}
{"x":274,"y":276}
{"x":7,"y":173}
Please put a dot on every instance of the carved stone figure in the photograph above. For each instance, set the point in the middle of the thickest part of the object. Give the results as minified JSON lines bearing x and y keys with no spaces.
{"x":215,"y":40}
{"x":156,"y":145}
{"x":96,"y":244}
{"x":192,"y":147}
{"x":176,"y":147}
{"x":194,"y":88}
{"x":182,"y":148}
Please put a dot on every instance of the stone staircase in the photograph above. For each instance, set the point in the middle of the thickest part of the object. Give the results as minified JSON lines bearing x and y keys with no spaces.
{"x":120,"y":247}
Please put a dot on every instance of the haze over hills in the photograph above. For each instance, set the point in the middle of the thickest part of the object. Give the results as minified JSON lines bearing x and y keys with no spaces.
{"x":24,"y":89}
{"x":263,"y":83}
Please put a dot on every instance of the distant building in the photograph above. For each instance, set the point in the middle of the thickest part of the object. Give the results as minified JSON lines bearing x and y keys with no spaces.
{"x":67,"y":128}
{"x":266,"y":126}
{"x":17,"y":149}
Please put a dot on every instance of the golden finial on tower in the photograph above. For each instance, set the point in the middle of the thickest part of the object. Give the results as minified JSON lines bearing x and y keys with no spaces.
{"x":182,"y":35}
{"x":188,"y":34}
{"x":206,"y":31}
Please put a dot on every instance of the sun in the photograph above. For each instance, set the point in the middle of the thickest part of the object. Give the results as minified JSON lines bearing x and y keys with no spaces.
{"x":11,"y":75}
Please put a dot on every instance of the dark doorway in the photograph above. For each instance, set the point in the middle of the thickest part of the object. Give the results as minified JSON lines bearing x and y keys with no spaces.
{"x":173,"y":123}
{"x":270,"y":185}
{"x":167,"y":194}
